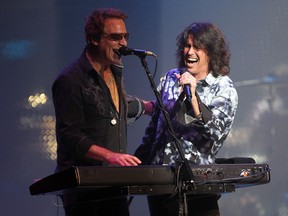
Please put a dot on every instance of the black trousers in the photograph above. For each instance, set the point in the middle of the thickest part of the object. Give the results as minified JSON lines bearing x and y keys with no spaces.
{"x":198,"y":205}
{"x":88,"y":205}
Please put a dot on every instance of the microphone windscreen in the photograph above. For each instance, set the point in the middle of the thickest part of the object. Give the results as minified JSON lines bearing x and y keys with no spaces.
{"x":124,"y":50}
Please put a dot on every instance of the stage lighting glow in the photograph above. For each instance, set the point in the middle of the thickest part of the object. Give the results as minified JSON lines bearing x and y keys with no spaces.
{"x":17,"y":49}
{"x":37,"y":99}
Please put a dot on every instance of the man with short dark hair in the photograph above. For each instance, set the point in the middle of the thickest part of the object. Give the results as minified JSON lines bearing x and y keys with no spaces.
{"x":91,"y":111}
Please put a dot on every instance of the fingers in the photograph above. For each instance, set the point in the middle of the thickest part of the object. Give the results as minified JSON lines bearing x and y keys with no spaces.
{"x":186,"y":78}
{"x":124,"y":160}
{"x":129,"y":160}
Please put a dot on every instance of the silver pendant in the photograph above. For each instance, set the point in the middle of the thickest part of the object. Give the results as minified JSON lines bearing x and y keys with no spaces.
{"x":113,"y":121}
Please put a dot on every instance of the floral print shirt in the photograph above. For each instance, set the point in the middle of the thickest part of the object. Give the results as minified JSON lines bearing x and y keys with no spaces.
{"x":200,"y":139}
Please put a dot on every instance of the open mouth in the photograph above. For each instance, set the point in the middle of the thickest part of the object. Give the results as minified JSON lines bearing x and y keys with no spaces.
{"x":192,"y":60}
{"x":117,"y":52}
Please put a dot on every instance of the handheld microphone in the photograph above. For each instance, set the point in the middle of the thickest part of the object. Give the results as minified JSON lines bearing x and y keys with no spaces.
{"x":128,"y":51}
{"x":186,"y":87}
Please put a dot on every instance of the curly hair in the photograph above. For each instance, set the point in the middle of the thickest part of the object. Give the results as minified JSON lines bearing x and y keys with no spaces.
{"x":95,"y":24}
{"x":208,"y":37}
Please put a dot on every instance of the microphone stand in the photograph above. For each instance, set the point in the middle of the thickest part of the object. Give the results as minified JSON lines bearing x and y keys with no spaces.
{"x":186,"y":177}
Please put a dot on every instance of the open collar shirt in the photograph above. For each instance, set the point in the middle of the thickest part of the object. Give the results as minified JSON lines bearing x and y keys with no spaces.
{"x":86,"y":115}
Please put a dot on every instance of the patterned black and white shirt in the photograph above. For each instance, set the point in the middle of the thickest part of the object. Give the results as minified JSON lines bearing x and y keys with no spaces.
{"x":201,"y":139}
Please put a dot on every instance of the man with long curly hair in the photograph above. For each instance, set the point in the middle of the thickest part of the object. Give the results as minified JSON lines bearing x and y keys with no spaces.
{"x":201,"y":101}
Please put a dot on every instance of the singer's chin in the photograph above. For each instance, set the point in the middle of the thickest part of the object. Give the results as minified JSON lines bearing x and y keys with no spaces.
{"x":191,"y":70}
{"x":118,"y":60}
{"x":118,"y":63}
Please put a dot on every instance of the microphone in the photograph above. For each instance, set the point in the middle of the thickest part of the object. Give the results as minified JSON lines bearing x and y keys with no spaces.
{"x":186,"y":87}
{"x":128,"y":51}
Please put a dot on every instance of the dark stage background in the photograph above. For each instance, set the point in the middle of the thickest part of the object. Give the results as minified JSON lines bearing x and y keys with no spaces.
{"x":38,"y":38}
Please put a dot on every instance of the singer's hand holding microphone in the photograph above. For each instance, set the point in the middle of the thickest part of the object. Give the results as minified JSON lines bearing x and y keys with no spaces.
{"x":189,"y":82}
